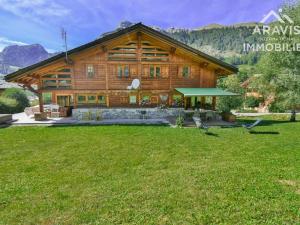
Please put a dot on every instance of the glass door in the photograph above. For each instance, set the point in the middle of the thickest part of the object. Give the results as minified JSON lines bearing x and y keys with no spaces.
{"x":64,"y":100}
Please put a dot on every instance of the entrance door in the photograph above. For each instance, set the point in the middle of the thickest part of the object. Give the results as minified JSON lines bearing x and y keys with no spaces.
{"x":64,"y":100}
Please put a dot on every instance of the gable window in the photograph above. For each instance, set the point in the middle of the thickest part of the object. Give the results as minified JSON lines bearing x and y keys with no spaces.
{"x":90,"y":71}
{"x":123,"y":71}
{"x":155,"y":71}
{"x":186,"y":71}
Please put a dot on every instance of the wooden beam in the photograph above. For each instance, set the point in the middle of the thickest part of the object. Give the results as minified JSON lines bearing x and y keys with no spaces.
{"x":172,"y":50}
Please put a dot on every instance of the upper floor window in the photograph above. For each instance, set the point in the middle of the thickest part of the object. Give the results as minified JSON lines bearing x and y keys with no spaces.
{"x":123,"y":71}
{"x":90,"y":71}
{"x":186,"y":71}
{"x":155,"y":71}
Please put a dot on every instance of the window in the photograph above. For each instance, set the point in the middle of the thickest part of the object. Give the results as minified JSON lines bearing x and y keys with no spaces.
{"x":145,"y":100}
{"x":101,"y":99}
{"x":123,"y":70}
{"x":132,"y":99}
{"x":47,"y":97}
{"x":90,"y":71}
{"x":152,"y":71}
{"x":91,"y":99}
{"x":155,"y":71}
{"x":186,"y":71}
{"x":81,"y":98}
{"x":126,"y":71}
{"x":120,"y":71}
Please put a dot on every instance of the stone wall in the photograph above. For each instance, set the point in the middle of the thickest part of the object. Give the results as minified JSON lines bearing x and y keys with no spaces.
{"x":124,"y":113}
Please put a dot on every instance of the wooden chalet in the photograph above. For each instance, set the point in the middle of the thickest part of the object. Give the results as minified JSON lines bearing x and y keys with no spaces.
{"x":99,"y":73}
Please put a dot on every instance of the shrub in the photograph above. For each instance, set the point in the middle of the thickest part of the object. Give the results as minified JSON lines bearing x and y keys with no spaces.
{"x":7,"y":105}
{"x":227,"y":103}
{"x":252,"y":102}
{"x":19,"y":96}
{"x":179,"y":121}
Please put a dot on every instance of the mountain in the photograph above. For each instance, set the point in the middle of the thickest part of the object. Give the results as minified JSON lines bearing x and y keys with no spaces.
{"x":14,"y":57}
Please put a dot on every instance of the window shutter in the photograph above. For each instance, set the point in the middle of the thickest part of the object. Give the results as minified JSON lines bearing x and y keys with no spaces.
{"x":165,"y":71}
{"x":180,"y":69}
{"x":145,"y":71}
{"x":193,"y":72}
{"x":133,"y":70}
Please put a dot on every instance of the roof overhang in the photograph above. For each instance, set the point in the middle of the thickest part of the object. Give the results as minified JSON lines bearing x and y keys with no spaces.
{"x":193,"y":92}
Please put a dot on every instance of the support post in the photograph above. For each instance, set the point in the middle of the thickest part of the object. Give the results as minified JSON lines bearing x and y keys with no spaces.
{"x":41,"y":104}
{"x":38,"y":94}
{"x":214,"y":101}
{"x":203,"y":99}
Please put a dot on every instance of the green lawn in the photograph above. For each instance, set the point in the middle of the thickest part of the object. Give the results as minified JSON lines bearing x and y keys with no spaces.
{"x":150,"y":175}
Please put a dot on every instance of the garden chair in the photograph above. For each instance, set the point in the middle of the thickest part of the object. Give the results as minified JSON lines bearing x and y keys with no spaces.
{"x":250,"y":126}
{"x":204,"y":127}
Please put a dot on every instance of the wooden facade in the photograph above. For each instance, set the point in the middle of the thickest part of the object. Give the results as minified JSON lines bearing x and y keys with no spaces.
{"x":98,"y":74}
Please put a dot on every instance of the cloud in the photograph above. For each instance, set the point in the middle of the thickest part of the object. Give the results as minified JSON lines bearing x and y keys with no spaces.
{"x":4,"y":42}
{"x":35,"y":10}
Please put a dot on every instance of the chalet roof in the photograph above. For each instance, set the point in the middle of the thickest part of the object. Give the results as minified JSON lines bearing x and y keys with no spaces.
{"x":138,"y":26}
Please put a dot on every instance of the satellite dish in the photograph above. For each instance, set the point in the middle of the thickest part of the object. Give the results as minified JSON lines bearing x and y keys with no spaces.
{"x":135,"y":84}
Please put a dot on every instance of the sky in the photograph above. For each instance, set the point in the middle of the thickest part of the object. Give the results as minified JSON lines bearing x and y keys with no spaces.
{"x":40,"y":21}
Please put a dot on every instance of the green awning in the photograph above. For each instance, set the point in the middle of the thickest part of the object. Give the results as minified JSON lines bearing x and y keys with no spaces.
{"x":188,"y":92}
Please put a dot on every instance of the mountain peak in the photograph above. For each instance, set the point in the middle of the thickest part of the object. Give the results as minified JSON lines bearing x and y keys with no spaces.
{"x":23,"y":55}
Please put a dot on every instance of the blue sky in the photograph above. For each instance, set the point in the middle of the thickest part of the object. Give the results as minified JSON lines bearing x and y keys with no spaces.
{"x":40,"y":21}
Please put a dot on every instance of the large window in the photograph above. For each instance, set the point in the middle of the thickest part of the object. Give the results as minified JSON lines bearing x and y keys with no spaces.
{"x":90,"y":99}
{"x":123,"y":71}
{"x":90,"y":71}
{"x":155,"y":71}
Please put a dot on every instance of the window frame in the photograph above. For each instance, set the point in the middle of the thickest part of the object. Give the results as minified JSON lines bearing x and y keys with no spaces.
{"x":132,"y":103}
{"x":123,"y":71}
{"x":186,"y":74}
{"x":90,"y":74}
{"x":154,"y":71}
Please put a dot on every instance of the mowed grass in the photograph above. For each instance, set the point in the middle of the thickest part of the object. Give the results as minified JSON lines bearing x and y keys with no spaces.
{"x":150,"y":175}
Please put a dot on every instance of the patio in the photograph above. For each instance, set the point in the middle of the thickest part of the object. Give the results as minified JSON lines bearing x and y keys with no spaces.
{"x":23,"y":119}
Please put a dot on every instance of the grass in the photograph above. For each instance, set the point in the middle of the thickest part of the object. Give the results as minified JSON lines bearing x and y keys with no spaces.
{"x":150,"y":175}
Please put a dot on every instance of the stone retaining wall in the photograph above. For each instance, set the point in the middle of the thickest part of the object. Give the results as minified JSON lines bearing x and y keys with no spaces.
{"x":5,"y":118}
{"x":123,"y":113}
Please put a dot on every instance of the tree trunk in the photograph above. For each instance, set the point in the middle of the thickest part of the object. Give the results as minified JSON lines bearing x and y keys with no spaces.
{"x":293,"y":116}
